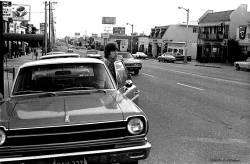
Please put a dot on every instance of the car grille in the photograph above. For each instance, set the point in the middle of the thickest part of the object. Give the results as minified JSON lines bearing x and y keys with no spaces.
{"x":132,"y":64}
{"x":66,"y":134}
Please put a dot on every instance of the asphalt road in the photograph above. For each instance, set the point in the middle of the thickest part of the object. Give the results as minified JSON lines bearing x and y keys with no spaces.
{"x":197,"y":114}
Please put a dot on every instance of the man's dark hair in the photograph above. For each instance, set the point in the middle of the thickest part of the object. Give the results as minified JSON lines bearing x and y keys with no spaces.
{"x":108,"y":48}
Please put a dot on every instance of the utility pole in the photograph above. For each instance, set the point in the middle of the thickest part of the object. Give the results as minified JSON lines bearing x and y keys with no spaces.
{"x":49,"y":41}
{"x":45,"y":30}
{"x":131,"y":37}
{"x":1,"y":51}
{"x":187,"y":10}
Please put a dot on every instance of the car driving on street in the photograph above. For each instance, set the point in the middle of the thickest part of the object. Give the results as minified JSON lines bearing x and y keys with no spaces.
{"x":166,"y":57}
{"x":93,"y":54}
{"x":132,"y":64}
{"x":62,"y":55}
{"x":140,"y":55}
{"x":72,"y":111}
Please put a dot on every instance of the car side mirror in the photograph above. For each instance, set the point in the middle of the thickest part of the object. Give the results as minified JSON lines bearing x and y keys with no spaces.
{"x":128,"y":83}
{"x":129,"y":76}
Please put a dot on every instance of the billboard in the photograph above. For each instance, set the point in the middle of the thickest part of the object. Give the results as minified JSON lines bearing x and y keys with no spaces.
{"x":7,"y":10}
{"x":21,"y":12}
{"x":119,"y":30}
{"x":108,"y":20}
{"x":105,"y":35}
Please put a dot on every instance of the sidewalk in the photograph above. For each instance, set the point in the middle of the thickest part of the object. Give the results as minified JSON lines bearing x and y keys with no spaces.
{"x":9,"y":64}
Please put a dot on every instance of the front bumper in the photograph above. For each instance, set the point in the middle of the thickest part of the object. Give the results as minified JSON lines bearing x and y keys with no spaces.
{"x":123,"y":154}
{"x":133,"y":68}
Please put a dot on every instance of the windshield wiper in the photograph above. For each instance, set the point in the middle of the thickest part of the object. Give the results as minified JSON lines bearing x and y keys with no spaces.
{"x":33,"y":91}
{"x":27,"y":92}
{"x":77,"y":88}
{"x":90,"y":89}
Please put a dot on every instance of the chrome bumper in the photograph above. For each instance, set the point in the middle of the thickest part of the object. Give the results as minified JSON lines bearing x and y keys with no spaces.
{"x":146,"y":146}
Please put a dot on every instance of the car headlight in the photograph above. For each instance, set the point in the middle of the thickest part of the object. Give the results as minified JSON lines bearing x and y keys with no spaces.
{"x":2,"y":137}
{"x":135,"y":126}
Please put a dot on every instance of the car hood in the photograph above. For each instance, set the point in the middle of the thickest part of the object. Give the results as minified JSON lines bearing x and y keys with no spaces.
{"x":65,"y":110}
{"x":130,"y":60}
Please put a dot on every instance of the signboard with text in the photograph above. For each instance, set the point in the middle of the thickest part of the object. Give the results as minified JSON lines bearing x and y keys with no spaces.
{"x":119,"y":30}
{"x":108,"y":20}
{"x":105,"y":35}
{"x":42,"y":28}
{"x":21,"y":12}
{"x":7,"y":11}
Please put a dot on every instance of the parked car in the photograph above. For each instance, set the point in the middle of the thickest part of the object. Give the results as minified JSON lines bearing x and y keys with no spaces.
{"x":132,"y":64}
{"x":62,"y":110}
{"x":63,"y":55}
{"x":140,"y":55}
{"x":70,"y":50}
{"x":181,"y":57}
{"x":166,"y":57}
{"x":240,"y":65}
{"x":93,"y":54}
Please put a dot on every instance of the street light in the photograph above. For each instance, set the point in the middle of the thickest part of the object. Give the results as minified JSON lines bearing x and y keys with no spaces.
{"x":187,"y":10}
{"x":131,"y":36}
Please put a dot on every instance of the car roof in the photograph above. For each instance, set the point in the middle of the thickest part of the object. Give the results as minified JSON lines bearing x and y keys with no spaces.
{"x":61,"y":61}
{"x":55,"y":52}
{"x":63,"y":55}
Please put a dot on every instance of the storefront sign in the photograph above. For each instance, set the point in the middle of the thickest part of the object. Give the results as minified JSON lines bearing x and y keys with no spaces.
{"x":7,"y":11}
{"x":21,"y":12}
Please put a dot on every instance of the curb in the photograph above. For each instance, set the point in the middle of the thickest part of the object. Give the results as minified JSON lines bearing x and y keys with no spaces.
{"x":212,"y":66}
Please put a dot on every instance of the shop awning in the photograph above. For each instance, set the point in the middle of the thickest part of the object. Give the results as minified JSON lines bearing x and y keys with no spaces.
{"x":22,"y":37}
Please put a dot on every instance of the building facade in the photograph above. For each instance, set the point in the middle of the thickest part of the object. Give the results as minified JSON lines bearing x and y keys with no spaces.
{"x":178,"y":37}
{"x":216,"y":32}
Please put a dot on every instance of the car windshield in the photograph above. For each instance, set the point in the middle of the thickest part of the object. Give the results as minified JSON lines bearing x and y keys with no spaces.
{"x":125,"y":55}
{"x":62,"y":77}
{"x":92,"y":52}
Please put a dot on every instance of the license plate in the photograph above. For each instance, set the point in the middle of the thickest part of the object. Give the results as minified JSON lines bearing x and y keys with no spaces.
{"x":70,"y":160}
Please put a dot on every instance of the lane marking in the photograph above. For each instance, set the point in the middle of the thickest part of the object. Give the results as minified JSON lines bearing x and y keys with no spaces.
{"x":217,"y":140}
{"x":203,"y":76}
{"x":148,"y":75}
{"x":190,"y":86}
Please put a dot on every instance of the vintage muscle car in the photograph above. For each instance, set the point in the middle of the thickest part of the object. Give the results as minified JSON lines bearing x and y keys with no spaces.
{"x":72,"y":111}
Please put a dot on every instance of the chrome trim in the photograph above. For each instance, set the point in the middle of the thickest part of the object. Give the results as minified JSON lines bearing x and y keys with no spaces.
{"x":3,"y":128}
{"x":146,"y":146}
{"x":67,"y":125}
{"x":135,"y":97}
{"x":91,"y":141}
{"x":75,"y":132}
{"x":146,"y":121}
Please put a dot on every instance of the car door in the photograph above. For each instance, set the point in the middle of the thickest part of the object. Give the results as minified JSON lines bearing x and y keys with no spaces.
{"x":125,"y":83}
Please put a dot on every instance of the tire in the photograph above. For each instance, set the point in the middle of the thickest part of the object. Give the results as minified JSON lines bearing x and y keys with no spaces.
{"x":136,"y":72}
{"x":237,"y":67}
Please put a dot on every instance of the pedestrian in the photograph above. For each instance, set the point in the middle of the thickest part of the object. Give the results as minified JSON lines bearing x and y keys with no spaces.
{"x":110,"y":57}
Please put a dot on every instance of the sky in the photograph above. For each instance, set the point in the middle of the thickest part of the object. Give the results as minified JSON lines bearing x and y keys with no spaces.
{"x":85,"y":16}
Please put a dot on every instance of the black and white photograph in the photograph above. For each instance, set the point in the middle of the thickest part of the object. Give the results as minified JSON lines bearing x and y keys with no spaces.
{"x":124,"y":82}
